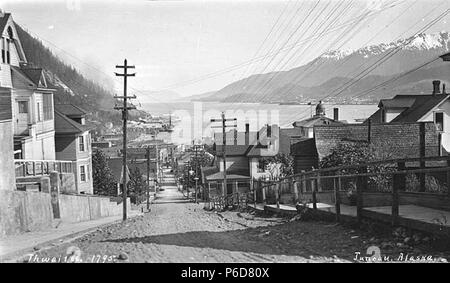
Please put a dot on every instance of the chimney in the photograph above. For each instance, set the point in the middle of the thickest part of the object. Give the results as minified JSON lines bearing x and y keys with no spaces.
{"x":336,"y":114}
{"x":443,"y":89}
{"x":247,"y":133}
{"x":436,"y":87}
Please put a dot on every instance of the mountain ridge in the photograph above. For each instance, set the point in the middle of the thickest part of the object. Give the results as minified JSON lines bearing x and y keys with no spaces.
{"x":324,"y":75}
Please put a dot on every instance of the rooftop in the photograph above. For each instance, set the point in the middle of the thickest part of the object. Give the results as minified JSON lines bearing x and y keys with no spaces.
{"x":316,"y":120}
{"x":70,"y":110}
{"x":415,"y":106}
{"x":65,"y":125}
{"x":219,"y":177}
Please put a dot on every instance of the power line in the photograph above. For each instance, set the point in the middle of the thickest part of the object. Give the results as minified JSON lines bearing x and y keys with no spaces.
{"x":267,"y":37}
{"x":294,"y":54}
{"x":289,"y":47}
{"x":287,"y":23}
{"x":387,"y":56}
{"x":295,"y":31}
{"x":317,"y":66}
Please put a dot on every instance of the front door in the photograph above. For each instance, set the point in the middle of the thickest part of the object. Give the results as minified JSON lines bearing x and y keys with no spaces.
{"x":23,"y":117}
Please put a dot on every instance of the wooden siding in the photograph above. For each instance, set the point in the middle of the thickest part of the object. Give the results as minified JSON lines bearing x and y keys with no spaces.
{"x":5,"y":75}
{"x":66,"y":148}
{"x":5,"y":106}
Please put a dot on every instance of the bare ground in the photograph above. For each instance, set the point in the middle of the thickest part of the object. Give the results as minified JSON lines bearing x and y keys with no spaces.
{"x":179,"y":231}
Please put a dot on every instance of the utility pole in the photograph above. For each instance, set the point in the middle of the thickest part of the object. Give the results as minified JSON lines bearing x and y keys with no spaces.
{"x":157,"y":158}
{"x":196,"y":164}
{"x":224,"y":141}
{"x":148,"y":178}
{"x":124,"y":109}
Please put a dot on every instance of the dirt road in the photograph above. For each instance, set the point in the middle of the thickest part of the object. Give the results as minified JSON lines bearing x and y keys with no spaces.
{"x":180,"y":231}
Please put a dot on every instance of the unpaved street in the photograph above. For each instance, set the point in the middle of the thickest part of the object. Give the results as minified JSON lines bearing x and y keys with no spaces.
{"x":180,"y":231}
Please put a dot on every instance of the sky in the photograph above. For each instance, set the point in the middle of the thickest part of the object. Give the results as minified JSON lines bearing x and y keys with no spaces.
{"x":190,"y":47}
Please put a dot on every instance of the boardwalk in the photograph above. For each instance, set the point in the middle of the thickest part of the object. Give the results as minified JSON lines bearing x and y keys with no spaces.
{"x":423,"y":218}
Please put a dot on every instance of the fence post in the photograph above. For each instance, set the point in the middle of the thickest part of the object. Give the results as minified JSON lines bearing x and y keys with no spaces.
{"x":359,"y":198}
{"x":295,"y":183}
{"x":313,"y":189}
{"x":395,"y":201}
{"x":303,"y":188}
{"x":263,"y":191}
{"x":254,"y":197}
{"x":277,"y":194}
{"x":448,"y":177}
{"x":337,"y":198}
{"x":319,"y":184}
{"x":55,"y":184}
{"x":361,"y":186}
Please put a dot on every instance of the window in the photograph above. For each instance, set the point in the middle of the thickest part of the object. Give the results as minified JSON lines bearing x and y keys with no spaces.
{"x":82,"y":173}
{"x":23,"y":106}
{"x":8,"y":56}
{"x":439,"y":121}
{"x":3,"y":50}
{"x":38,"y":112}
{"x":8,"y":42}
{"x":48,"y":106}
{"x":81,"y":140}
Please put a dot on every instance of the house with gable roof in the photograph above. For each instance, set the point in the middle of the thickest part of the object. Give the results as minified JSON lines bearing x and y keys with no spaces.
{"x":73,"y":143}
{"x":32,"y":100}
{"x":434,"y":107}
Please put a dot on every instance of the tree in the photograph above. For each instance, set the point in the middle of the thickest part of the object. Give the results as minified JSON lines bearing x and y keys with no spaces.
{"x":136,"y":186}
{"x":280,"y":165}
{"x":346,"y":153}
{"x":104,"y":183}
{"x":361,"y":152}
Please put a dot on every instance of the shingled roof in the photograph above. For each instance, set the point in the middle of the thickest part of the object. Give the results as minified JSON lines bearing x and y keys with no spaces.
{"x":421,"y":106}
{"x":233,"y":150}
{"x":317,"y":120}
{"x":415,"y":107}
{"x":65,"y":125}
{"x":4,"y":21}
{"x":219,"y":177}
{"x":70,"y":110}
{"x":35,"y":75}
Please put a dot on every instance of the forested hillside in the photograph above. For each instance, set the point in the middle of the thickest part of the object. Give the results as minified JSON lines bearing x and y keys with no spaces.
{"x":71,"y":86}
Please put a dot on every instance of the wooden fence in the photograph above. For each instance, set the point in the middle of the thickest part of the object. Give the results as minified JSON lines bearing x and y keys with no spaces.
{"x":389,"y":177}
{"x":28,"y":168}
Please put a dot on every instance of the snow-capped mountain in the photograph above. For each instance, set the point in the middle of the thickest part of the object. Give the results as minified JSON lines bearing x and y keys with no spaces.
{"x":325,"y":74}
{"x":422,"y":41}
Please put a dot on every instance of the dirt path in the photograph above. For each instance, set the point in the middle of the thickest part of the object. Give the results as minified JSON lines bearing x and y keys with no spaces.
{"x":180,"y":231}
